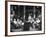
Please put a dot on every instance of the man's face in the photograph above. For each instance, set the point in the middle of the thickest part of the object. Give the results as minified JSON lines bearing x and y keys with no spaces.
{"x":17,"y":19}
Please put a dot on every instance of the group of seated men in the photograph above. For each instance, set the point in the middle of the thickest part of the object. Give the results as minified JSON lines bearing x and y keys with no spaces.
{"x":17,"y":23}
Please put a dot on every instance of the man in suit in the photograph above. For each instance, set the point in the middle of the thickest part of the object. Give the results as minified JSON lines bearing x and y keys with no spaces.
{"x":27,"y":24}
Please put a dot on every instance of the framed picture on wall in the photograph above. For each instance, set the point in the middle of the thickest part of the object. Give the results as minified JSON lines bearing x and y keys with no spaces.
{"x":24,"y":18}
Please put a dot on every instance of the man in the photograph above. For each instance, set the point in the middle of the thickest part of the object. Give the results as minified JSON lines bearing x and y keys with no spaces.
{"x":27,"y":24}
{"x":13,"y":26}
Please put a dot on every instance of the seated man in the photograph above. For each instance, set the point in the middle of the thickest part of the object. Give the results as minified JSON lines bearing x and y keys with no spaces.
{"x":38,"y":23}
{"x":31,"y":20}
